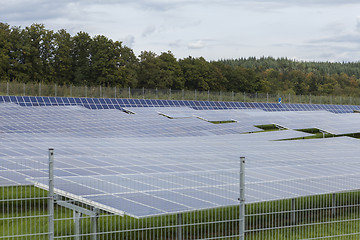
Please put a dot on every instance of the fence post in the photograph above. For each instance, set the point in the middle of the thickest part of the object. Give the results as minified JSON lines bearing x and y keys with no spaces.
{"x":170,"y":94}
{"x":156,"y":93}
{"x":143,"y":92}
{"x":179,"y":228}
{"x":289,"y":98}
{"x":195,"y":94}
{"x":115,"y":92}
{"x":333,"y":205}
{"x":51,"y":194}
{"x":77,"y":222}
{"x":7,"y":88}
{"x":100,"y":91}
{"x":94,"y":224}
{"x":24,"y":89}
{"x":244,"y":96}
{"x":182,"y":91}
{"x":293,"y":211}
{"x":242,"y":200}
{"x":208,"y":95}
{"x":86,"y":91}
{"x":55,"y":91}
{"x":39,"y":88}
{"x":267,"y":97}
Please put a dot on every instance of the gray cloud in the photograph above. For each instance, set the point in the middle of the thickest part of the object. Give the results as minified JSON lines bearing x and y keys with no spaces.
{"x":358,"y":24}
{"x":176,"y":43}
{"x":148,"y":30}
{"x":192,"y":27}
{"x":16,"y":10}
{"x":25,"y":10}
{"x":306,"y":2}
{"x":128,"y":41}
{"x":346,"y":38}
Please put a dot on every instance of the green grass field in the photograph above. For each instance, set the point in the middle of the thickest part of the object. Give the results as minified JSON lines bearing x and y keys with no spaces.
{"x":23,"y":215}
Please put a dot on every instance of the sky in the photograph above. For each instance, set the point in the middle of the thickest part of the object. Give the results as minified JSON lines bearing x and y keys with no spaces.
{"x":309,"y":30}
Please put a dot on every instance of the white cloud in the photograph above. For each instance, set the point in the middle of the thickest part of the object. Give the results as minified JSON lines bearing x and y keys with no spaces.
{"x":196,"y":45}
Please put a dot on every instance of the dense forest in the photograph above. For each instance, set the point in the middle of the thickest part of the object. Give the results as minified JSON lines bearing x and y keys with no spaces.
{"x":36,"y":54}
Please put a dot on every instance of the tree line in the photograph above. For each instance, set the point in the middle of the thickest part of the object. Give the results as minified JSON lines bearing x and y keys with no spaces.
{"x":36,"y":54}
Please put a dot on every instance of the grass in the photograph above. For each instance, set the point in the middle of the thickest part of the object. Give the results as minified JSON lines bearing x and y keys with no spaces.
{"x":269,"y":127}
{"x":316,"y":133}
{"x":221,"y":122}
{"x":24,"y":212}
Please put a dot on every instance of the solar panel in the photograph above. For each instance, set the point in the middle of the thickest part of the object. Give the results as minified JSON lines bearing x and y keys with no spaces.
{"x":145,"y":164}
{"x":275,"y":173}
{"x":101,"y":103}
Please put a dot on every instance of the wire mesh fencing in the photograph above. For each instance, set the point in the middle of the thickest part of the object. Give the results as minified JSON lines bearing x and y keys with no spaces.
{"x":333,"y":215}
{"x":181,"y":205}
{"x":23,"y":207}
{"x":55,"y":90}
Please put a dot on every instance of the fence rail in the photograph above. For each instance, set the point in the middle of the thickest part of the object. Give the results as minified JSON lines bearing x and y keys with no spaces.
{"x":39,"y":89}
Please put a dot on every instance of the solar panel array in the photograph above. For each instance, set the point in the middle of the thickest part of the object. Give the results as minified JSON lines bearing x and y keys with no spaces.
{"x":165,"y":159}
{"x":112,"y":103}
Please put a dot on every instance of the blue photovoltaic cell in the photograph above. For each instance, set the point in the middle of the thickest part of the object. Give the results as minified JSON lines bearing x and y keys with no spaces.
{"x":147,"y":164}
{"x":105,"y":103}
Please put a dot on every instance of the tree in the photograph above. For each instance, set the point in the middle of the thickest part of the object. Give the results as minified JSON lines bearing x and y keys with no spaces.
{"x":81,"y":59}
{"x":5,"y":49}
{"x":217,"y":80}
{"x":198,"y":73}
{"x":37,"y":53}
{"x":243,"y":80}
{"x":313,"y":81}
{"x":170,"y":71}
{"x":127,"y":64}
{"x":102,"y":61}
{"x":62,"y":57}
{"x":297,"y":79}
{"x":159,"y":71}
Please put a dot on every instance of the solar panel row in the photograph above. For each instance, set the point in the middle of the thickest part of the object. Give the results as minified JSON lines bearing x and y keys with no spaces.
{"x":147,"y":164}
{"x":112,"y":103}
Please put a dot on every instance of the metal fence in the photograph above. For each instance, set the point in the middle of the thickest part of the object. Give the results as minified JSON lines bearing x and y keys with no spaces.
{"x":326,"y":216}
{"x":39,"y":89}
{"x":29,"y":212}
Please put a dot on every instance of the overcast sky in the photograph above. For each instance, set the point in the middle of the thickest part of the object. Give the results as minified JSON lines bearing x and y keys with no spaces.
{"x":321,"y":30}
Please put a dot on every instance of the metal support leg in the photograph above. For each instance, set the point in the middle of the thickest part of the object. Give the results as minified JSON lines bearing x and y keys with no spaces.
{"x":77,"y":222}
{"x":179,"y":228}
{"x":242,"y":200}
{"x":78,"y":211}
